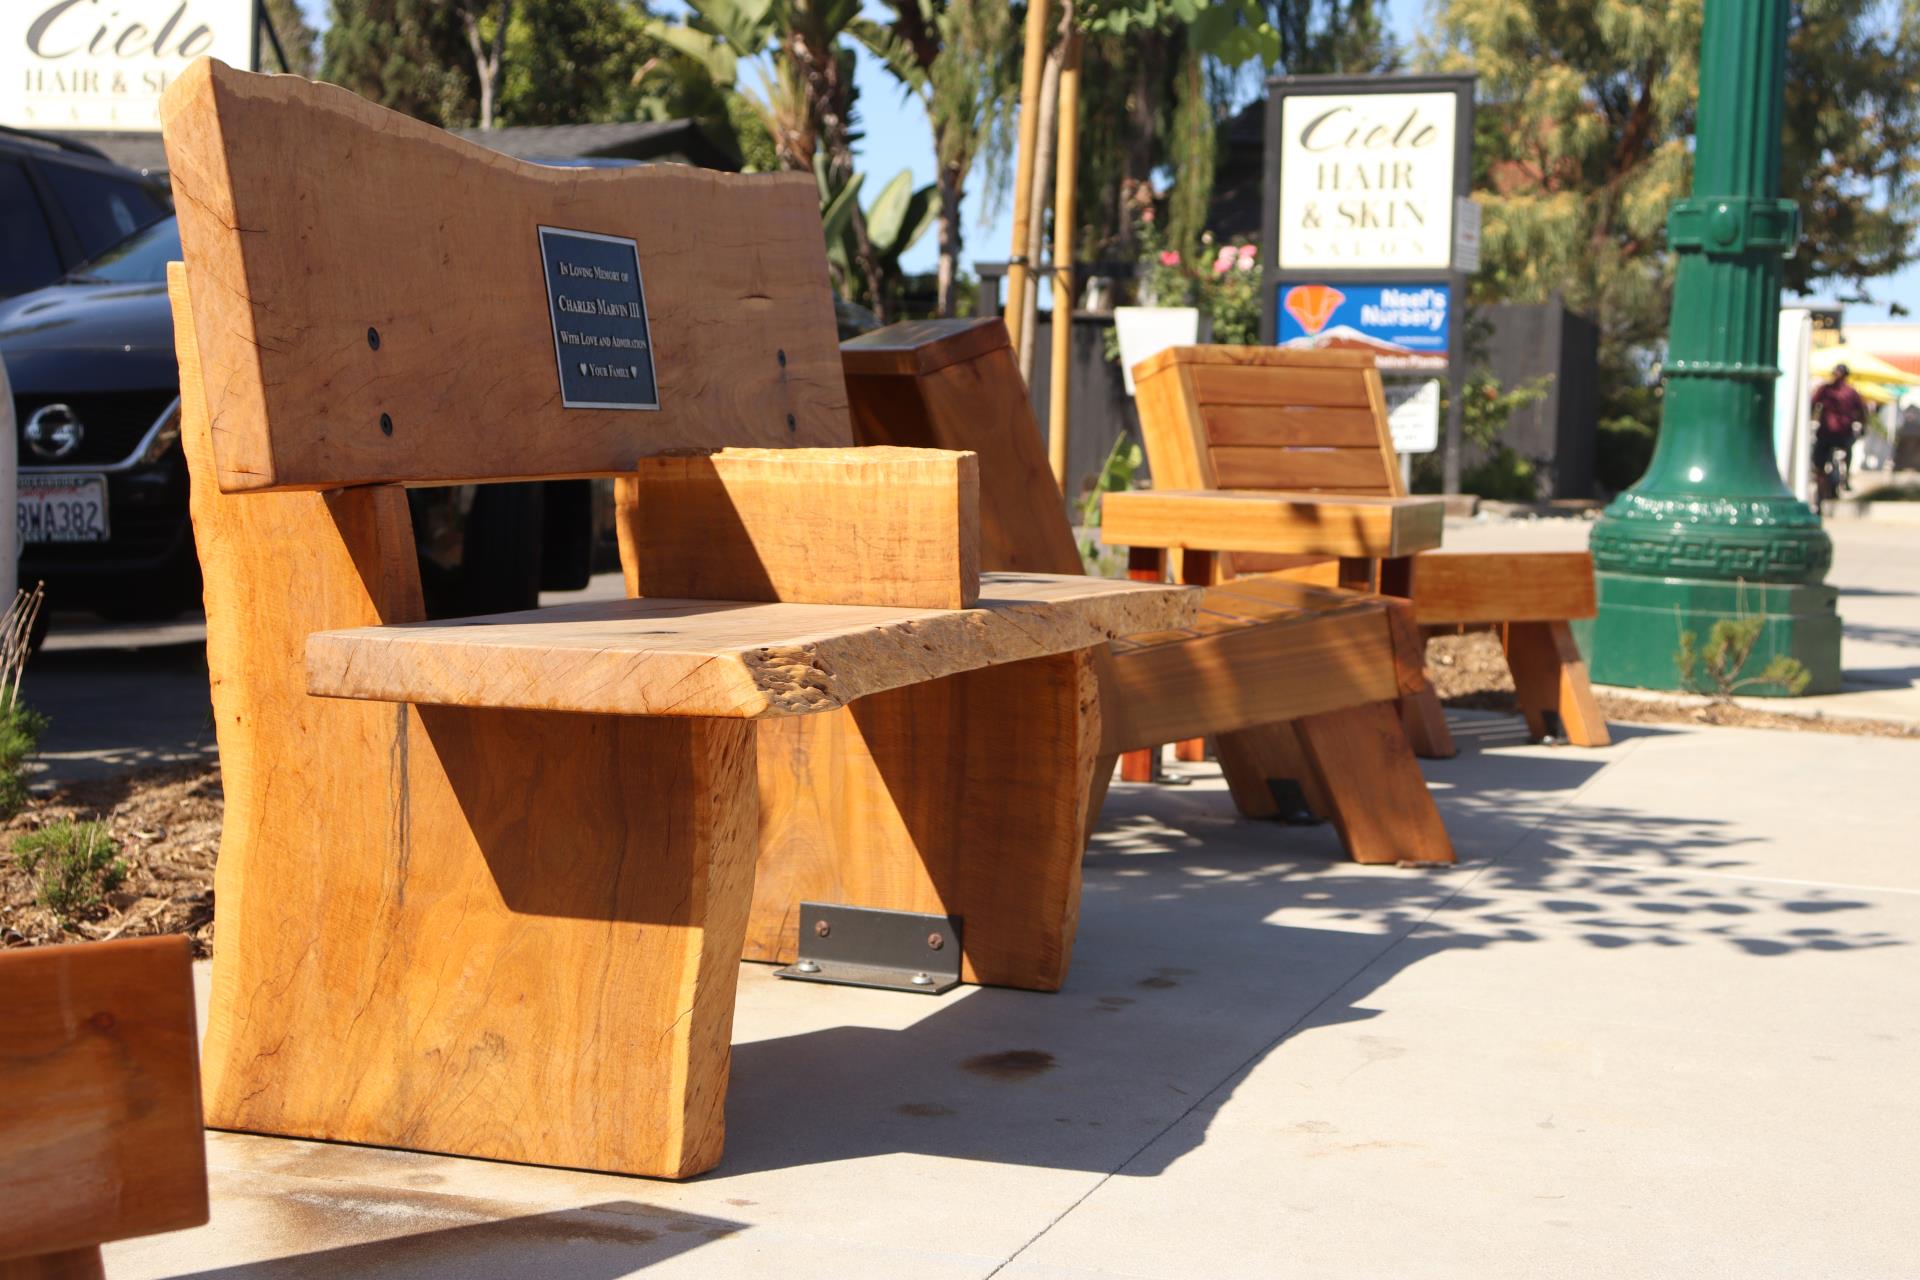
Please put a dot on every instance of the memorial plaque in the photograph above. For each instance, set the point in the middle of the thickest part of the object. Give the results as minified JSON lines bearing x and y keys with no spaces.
{"x":599,"y":310}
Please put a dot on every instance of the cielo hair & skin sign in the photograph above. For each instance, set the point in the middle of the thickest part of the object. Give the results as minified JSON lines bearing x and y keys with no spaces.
{"x":103,"y":64}
{"x":1367,"y":180}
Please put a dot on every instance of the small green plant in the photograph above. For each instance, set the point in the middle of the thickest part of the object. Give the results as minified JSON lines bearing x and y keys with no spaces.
{"x":1715,"y":670}
{"x":73,"y":863}
{"x":20,"y":725}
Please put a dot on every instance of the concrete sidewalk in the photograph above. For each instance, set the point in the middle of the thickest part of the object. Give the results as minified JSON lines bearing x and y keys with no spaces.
{"x":1663,"y":1019}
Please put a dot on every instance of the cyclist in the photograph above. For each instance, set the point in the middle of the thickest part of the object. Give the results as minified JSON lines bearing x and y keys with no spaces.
{"x":1840,"y":411}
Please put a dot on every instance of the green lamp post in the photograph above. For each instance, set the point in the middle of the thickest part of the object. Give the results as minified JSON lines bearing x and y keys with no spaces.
{"x":1710,"y":531}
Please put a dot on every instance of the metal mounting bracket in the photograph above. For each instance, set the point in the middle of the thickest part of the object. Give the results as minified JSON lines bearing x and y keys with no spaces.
{"x":871,"y":947}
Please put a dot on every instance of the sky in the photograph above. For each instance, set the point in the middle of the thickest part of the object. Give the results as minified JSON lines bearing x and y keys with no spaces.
{"x":897,"y":137}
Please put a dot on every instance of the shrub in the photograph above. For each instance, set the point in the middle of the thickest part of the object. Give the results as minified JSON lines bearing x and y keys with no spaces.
{"x":73,"y":863}
{"x":1622,"y":449}
{"x":20,"y":730}
{"x":1729,"y":644}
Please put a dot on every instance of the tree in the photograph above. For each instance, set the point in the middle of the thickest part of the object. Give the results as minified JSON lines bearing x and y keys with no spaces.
{"x":486,"y":46}
{"x":409,"y":55}
{"x":1586,"y":110}
{"x":959,"y":58}
{"x":298,"y":40}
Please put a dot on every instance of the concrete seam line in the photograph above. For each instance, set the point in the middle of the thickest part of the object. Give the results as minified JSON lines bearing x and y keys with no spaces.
{"x":1631,"y":746}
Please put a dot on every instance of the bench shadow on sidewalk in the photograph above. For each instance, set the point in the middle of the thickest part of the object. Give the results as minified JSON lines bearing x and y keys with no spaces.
{"x":1182,"y":893}
{"x":594,"y":1242}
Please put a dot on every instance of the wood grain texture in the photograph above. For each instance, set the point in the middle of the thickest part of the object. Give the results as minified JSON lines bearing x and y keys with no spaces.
{"x":704,"y":658}
{"x":68,"y":1264}
{"x":970,"y":795}
{"x":1337,"y":470}
{"x":970,"y":397}
{"x":488,"y":933}
{"x":1372,"y":788}
{"x":880,"y":526}
{"x":1468,"y":587}
{"x":1550,"y":676}
{"x":1282,"y":523}
{"x":1255,"y":385}
{"x":1260,"y":651}
{"x":1253,"y":760}
{"x":309,"y":216}
{"x":99,"y":1098}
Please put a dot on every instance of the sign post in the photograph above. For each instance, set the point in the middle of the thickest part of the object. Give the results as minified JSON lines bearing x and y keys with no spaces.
{"x":1368,"y":236}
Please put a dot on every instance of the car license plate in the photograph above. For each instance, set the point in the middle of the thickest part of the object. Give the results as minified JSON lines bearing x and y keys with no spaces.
{"x":63,"y":508}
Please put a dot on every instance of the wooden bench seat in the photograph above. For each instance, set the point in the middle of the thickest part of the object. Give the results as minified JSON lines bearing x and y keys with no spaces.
{"x":494,"y":902}
{"x":1221,"y":418}
{"x":1286,"y":675}
{"x":736,"y":660}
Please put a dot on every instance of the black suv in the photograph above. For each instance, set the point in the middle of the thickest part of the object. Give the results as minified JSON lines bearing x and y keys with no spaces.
{"x":63,"y":202}
{"x":103,"y":483}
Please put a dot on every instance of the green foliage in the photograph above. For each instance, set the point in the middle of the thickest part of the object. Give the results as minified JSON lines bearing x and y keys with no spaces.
{"x":1117,"y":475}
{"x":1223,"y":281}
{"x":72,"y":863}
{"x":410,"y":55}
{"x":1496,"y":470}
{"x":1715,"y":670}
{"x":894,"y":223}
{"x":298,"y":40}
{"x":20,"y":730}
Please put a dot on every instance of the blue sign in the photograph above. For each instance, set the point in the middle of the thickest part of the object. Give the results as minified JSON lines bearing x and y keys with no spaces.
{"x":1404,"y":325}
{"x":599,"y":311}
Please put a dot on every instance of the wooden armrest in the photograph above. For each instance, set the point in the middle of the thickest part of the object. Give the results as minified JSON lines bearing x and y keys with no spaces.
{"x":873,"y":526}
{"x":654,"y":657}
{"x":1280,"y":523}
{"x":99,"y":1096}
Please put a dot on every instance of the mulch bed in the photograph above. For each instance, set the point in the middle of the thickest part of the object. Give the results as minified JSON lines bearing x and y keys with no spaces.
{"x":167,"y":821}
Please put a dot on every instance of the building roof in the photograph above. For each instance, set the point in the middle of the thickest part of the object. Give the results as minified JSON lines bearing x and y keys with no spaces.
{"x":668,"y":141}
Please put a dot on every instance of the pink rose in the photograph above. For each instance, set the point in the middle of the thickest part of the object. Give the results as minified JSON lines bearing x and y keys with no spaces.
{"x":1247,"y":252}
{"x":1168,"y":258}
{"x":1224,"y":262}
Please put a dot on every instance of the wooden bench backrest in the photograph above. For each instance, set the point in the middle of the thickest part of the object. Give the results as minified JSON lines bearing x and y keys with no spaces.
{"x":371,"y":297}
{"x":99,"y":1095}
{"x":1266,"y":418}
{"x":953,"y":384}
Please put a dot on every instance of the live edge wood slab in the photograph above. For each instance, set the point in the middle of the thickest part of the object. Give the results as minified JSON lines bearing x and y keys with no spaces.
{"x":652,"y":657}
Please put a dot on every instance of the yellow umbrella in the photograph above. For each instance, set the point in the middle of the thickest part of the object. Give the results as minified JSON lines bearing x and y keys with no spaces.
{"x":1862,"y":367}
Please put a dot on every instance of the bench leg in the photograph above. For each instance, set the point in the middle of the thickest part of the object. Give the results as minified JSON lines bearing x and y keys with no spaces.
{"x":969,"y":796}
{"x":1266,"y":764}
{"x":1425,"y":723}
{"x":1420,"y":713}
{"x":68,"y":1264}
{"x":506,"y":934}
{"x":1550,"y":680}
{"x":1377,"y":799}
{"x":1191,"y":750}
{"x":1137,"y":766}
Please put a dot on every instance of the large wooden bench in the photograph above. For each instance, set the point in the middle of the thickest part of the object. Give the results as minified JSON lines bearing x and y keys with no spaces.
{"x":100,"y":1134}
{"x":1296,"y":683}
{"x":1263,"y":419}
{"x":484,"y":885}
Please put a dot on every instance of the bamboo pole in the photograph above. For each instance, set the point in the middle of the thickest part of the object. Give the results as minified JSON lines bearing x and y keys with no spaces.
{"x":1030,"y":70}
{"x":1066,"y":170}
{"x":1036,"y":251}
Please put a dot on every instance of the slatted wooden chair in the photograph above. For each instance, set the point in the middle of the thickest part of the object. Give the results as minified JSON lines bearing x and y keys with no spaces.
{"x":99,"y":1103}
{"x":1259,"y":419}
{"x":483,"y":885}
{"x":1296,"y":683}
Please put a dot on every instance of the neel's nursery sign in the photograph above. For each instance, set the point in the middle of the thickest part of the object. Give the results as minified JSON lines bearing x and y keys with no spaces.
{"x":103,"y":64}
{"x":1367,"y":181}
{"x":1405,"y":326}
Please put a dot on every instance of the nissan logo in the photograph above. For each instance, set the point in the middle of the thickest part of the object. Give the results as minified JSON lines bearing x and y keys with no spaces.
{"x":54,"y":431}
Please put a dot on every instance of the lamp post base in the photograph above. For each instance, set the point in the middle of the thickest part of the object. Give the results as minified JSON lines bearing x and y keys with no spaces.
{"x":1636,"y":635}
